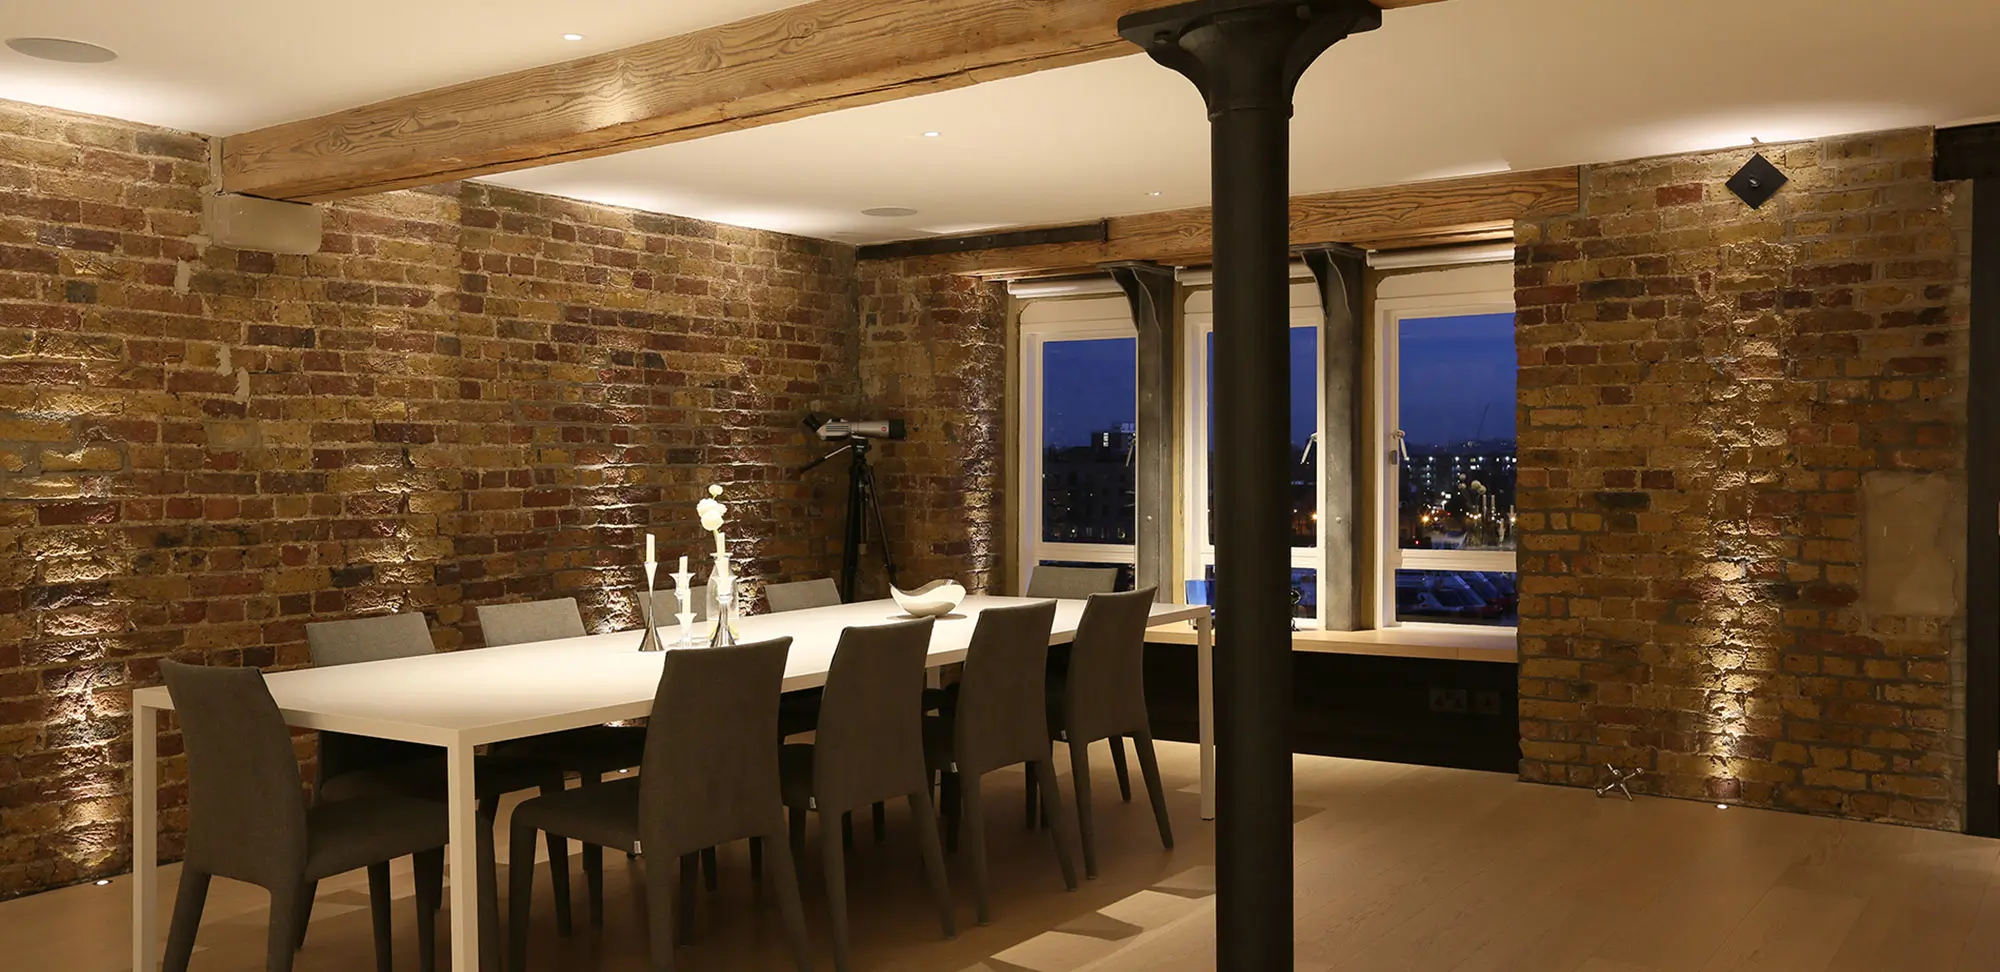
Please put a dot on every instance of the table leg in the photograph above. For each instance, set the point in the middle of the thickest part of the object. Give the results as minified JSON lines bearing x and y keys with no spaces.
{"x":1204,"y":627}
{"x":145,"y":838}
{"x":462,"y":807}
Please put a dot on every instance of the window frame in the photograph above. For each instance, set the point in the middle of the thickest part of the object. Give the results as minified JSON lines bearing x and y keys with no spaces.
{"x":1199,"y":550}
{"x":1115,"y":323}
{"x":1441,"y":300}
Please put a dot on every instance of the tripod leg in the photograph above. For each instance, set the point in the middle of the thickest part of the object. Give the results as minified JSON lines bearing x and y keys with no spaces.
{"x":881,"y":529}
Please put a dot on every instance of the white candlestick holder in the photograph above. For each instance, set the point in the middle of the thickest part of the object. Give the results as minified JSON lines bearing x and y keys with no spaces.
{"x":683,"y":595}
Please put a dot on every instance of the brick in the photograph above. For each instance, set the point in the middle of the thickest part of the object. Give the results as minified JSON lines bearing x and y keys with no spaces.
{"x":1776,"y":359}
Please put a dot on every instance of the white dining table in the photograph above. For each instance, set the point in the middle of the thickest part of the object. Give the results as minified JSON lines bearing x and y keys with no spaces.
{"x":465,"y":699}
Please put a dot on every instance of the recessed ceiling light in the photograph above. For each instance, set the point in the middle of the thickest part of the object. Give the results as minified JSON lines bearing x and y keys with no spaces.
{"x":1722,"y":806}
{"x":101,"y":882}
{"x":1154,"y":193}
{"x":932,"y":134}
{"x":57,"y":49}
{"x":889,"y":211}
{"x":572,"y":37}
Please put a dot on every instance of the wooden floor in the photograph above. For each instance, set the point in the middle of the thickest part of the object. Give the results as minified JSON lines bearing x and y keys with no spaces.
{"x":1398,"y":868}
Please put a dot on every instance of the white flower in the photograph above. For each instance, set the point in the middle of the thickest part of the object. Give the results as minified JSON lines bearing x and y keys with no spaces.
{"x":711,"y":510}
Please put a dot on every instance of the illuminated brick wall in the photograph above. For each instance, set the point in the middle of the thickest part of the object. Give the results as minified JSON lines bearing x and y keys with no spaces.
{"x":933,"y":351}
{"x":1741,"y":438}
{"x":471,"y":395}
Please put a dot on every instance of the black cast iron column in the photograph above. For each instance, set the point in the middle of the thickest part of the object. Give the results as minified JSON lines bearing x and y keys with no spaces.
{"x":1246,"y":57}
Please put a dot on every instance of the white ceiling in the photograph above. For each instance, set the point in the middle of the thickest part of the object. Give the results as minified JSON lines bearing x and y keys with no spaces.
{"x":1455,"y":88}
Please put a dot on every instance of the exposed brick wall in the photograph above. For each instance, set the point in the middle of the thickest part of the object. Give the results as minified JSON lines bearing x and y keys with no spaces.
{"x":1707,"y":393}
{"x":473,"y":394}
{"x":933,"y":350}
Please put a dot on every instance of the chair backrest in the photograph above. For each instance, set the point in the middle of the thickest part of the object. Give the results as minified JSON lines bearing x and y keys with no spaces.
{"x":365,"y":640}
{"x":368,"y":639}
{"x":665,"y":603}
{"x":1003,"y":691}
{"x":246,"y":811}
{"x":1107,"y":667}
{"x":799,"y":595}
{"x":710,"y":772}
{"x":1071,"y":582}
{"x":869,"y":745}
{"x":519,"y":624}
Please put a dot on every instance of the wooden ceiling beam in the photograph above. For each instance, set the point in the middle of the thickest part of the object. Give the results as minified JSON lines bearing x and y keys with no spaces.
{"x":1473,"y":209}
{"x":805,"y":60}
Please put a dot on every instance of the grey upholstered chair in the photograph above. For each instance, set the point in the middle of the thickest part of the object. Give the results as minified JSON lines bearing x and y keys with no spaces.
{"x":665,"y":603}
{"x":710,"y":776}
{"x":799,"y":595}
{"x":868,"y":747}
{"x":352,"y":766}
{"x":248,"y":821}
{"x":589,"y":752}
{"x":1103,"y":696}
{"x":1071,"y":582}
{"x":1077,"y":583}
{"x":517,"y":624}
{"x":998,"y":720}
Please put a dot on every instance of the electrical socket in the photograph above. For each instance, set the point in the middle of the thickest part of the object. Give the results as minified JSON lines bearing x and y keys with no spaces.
{"x":1450,"y":700}
{"x":1486,"y":703}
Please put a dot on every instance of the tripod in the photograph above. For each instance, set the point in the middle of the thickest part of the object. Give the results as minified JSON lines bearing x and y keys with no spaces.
{"x":861,"y":506}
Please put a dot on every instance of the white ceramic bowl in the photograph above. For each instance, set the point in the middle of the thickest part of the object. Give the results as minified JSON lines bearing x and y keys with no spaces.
{"x":934,"y":599}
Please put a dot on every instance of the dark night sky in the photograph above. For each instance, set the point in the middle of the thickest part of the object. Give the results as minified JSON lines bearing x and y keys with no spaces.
{"x":1453,"y":369}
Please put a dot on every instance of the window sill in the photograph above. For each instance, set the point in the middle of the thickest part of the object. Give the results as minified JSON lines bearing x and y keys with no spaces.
{"x":1439,"y":641}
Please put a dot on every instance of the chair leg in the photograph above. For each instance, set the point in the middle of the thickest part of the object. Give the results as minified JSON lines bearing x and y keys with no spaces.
{"x":785,"y":874}
{"x":1149,"y":767}
{"x":881,"y":821}
{"x":925,"y":817}
{"x":520,"y":893}
{"x":593,"y":882}
{"x":709,"y":867}
{"x":558,"y":866}
{"x":1079,"y":775}
{"x":834,"y":855}
{"x":1118,"y":768}
{"x":1028,"y":803}
{"x":659,"y":913}
{"x":188,"y":904}
{"x":757,"y":863}
{"x":378,"y":907}
{"x":974,"y":822}
{"x":284,"y":934}
{"x":847,"y":830}
{"x":1045,"y":770}
{"x":949,"y":796}
{"x":429,"y":868}
{"x":690,"y":874}
{"x":796,"y":831}
{"x":305,"y":913}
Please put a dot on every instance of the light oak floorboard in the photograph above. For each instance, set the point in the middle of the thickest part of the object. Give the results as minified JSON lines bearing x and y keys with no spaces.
{"x":1397,"y":869}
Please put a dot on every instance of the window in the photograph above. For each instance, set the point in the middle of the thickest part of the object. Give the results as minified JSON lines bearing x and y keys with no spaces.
{"x":1079,"y":368}
{"x":1447,"y":375}
{"x":1305,"y":416}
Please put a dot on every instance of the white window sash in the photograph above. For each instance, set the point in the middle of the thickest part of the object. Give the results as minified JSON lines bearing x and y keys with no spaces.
{"x":1033,"y":549}
{"x":1390,"y":556}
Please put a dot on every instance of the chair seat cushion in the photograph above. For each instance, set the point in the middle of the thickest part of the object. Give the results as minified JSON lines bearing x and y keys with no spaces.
{"x":350,"y":834}
{"x":795,"y":775}
{"x":606,"y":814}
{"x":591,"y":749}
{"x":425,"y":779}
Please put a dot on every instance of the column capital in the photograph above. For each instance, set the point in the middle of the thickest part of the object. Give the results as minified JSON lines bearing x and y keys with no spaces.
{"x":1246,"y":54}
